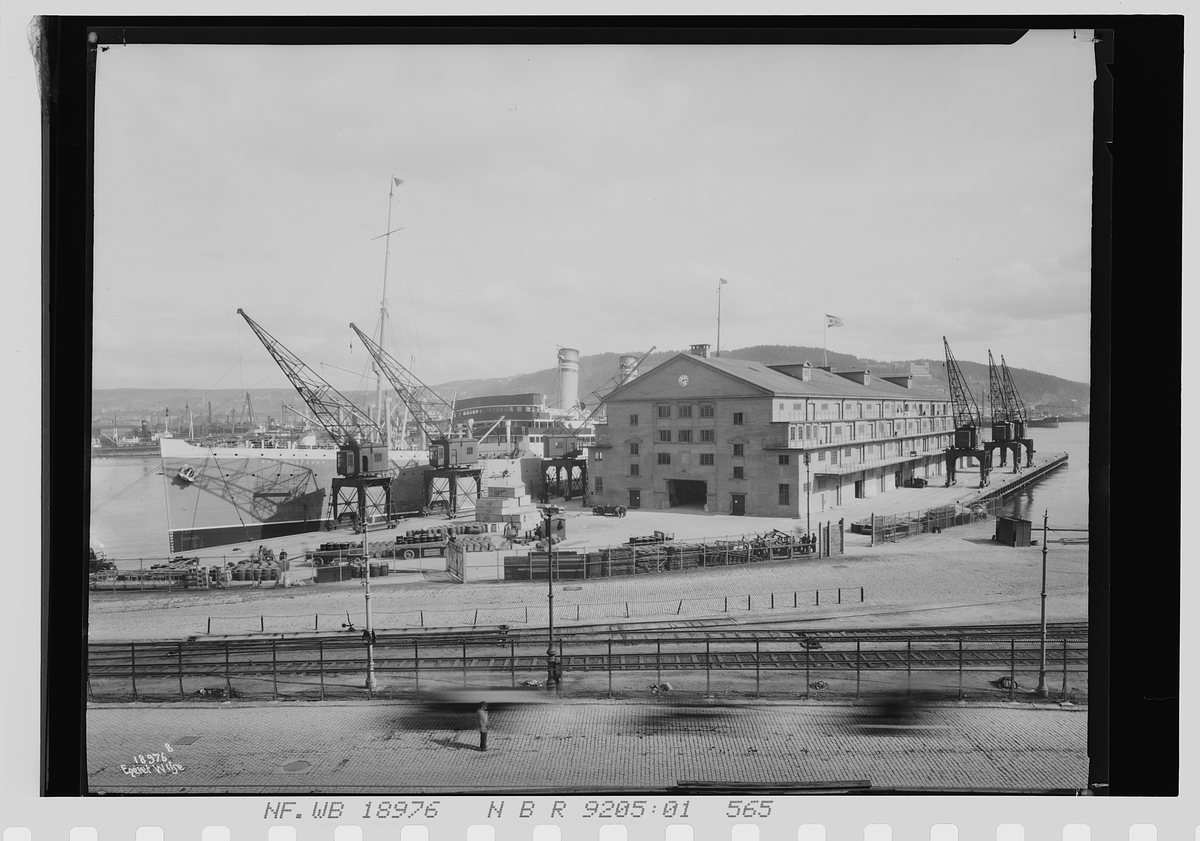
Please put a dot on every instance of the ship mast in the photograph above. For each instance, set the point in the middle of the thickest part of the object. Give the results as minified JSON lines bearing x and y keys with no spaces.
{"x":383,"y":315}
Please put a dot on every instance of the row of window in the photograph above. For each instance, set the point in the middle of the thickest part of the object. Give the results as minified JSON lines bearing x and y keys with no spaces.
{"x":707,"y":410}
{"x":785,"y":490}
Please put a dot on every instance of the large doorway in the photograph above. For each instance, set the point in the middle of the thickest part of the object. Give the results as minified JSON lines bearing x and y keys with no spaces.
{"x":687,"y":493}
{"x":635,"y":498}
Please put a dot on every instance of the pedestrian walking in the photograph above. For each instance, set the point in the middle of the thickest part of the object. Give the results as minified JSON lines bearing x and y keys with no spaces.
{"x":482,"y":715}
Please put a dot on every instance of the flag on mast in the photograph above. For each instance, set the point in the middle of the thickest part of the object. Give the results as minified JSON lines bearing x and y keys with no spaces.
{"x":397,"y":180}
{"x":723,"y":281}
{"x":832,"y":321}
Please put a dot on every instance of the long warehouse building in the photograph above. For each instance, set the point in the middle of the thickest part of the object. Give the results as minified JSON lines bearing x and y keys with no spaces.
{"x":731,"y":436}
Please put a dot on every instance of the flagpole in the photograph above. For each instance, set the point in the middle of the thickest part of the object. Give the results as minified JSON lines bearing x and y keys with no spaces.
{"x":719,"y":285}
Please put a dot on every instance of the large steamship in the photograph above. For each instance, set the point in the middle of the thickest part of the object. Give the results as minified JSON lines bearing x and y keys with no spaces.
{"x":217,"y":495}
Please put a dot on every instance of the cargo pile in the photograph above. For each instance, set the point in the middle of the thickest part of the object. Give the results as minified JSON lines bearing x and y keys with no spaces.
{"x":507,"y":506}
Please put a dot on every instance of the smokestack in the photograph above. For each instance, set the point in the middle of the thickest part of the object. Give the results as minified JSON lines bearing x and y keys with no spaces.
{"x":568,"y":377}
{"x":627,"y":369}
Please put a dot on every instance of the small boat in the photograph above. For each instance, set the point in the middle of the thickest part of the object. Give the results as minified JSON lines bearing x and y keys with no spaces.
{"x":1045,"y":421}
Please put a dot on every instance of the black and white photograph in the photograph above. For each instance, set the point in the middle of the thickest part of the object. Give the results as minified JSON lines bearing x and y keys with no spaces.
{"x":621,"y":418}
{"x":491,"y":425}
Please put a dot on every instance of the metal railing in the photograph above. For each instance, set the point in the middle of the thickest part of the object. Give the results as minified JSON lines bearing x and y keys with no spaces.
{"x":769,"y":666}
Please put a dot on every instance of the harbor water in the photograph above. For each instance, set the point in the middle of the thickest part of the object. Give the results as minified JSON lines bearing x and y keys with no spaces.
{"x":129,"y":515}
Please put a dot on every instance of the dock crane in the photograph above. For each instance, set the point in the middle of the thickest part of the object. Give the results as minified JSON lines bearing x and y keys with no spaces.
{"x":1017,"y":413}
{"x":1005,"y":415}
{"x":967,"y":421}
{"x":452,"y":482}
{"x":363,"y":466}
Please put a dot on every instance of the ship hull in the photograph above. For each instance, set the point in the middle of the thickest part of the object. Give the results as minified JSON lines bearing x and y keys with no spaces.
{"x":1043,"y":423}
{"x":223,"y":495}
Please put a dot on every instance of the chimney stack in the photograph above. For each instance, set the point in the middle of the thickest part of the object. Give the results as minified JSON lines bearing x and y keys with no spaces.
{"x":700,"y":350}
{"x":568,"y":377}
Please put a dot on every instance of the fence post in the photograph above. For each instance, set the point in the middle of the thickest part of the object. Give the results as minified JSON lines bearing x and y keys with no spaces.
{"x":626,"y":610}
{"x":860,"y":594}
{"x":680,"y":608}
{"x":274,"y":672}
{"x":857,"y":669}
{"x":321,"y":665}
{"x":576,"y":613}
{"x":1012,"y":667}
{"x":747,"y":601}
{"x":707,"y":668}
{"x":526,"y":615}
{"x":960,"y":669}
{"x":475,"y":621}
{"x":795,"y":598}
{"x":727,"y":604}
{"x":262,"y":624}
{"x":422,"y":619}
{"x":1064,"y":689}
{"x":806,"y":677}
{"x":464,"y":664}
{"x":417,"y":667}
{"x":610,"y":667}
{"x":908,"y":666}
{"x":772,"y":601}
{"x":209,"y":625}
{"x":316,"y":621}
{"x":228,"y":683}
{"x":839,"y":595}
{"x":757,"y":686}
{"x":872,"y":528}
{"x":818,"y":598}
{"x":179,"y":649}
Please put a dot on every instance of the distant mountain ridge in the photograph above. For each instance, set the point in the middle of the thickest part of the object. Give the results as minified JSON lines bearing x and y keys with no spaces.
{"x":597,"y":375}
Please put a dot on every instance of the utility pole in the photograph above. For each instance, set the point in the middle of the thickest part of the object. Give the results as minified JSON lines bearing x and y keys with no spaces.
{"x":368,"y":634}
{"x":808,"y":492}
{"x":1042,"y":692}
{"x":552,"y":667}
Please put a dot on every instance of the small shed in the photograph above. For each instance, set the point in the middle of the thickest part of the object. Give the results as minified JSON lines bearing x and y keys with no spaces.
{"x":1013,"y":531}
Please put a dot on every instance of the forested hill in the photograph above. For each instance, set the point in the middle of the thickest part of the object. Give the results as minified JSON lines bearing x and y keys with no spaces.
{"x":597,"y":375}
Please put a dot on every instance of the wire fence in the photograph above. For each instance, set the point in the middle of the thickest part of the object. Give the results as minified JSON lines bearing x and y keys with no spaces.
{"x":955,"y":667}
{"x":538,"y":614}
{"x":885,"y":528}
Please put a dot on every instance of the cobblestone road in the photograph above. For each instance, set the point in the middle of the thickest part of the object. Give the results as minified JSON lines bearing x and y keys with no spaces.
{"x":367,"y":747}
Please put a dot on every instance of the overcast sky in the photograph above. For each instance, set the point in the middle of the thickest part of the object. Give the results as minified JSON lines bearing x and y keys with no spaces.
{"x":591,"y":197}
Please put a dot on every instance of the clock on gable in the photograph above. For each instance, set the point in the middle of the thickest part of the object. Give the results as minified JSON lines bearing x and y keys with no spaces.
{"x":683,"y":380}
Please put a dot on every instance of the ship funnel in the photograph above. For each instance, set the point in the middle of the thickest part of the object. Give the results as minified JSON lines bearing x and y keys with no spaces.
{"x":568,"y":378}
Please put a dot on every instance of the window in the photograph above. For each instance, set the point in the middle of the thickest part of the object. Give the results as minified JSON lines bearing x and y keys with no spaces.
{"x":739,"y":449}
{"x":706,"y":410}
{"x":633,"y":420}
{"x":708,"y":435}
{"x":599,"y":485}
{"x":685,"y":436}
{"x":664,"y":458}
{"x":664,"y":435}
{"x":738,"y":418}
{"x":739,"y":472}
{"x":635,"y":469}
{"x":633,"y":449}
{"x":599,"y":455}
{"x":685,"y":411}
{"x":847,"y":453}
{"x":664,"y":411}
{"x":824,"y":407}
{"x":821,"y":455}
{"x":707,"y":460}
{"x":785,"y":494}
{"x":785,"y":459}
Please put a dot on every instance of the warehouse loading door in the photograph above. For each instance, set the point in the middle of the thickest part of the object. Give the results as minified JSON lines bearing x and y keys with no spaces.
{"x":687,"y":493}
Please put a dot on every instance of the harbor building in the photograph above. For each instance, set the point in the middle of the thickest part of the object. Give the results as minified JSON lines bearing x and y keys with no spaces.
{"x":733,"y":436}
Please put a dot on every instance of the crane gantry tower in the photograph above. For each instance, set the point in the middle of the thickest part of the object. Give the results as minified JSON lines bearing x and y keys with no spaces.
{"x":967,"y":421}
{"x":364,"y":480}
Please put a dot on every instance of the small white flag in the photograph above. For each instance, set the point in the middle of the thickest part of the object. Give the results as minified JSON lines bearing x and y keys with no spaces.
{"x":832,"y":321}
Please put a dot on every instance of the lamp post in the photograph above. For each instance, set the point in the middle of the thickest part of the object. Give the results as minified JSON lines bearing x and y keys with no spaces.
{"x":1042,"y":692}
{"x":808,"y":492}
{"x":368,"y":634}
{"x":552,"y":675}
